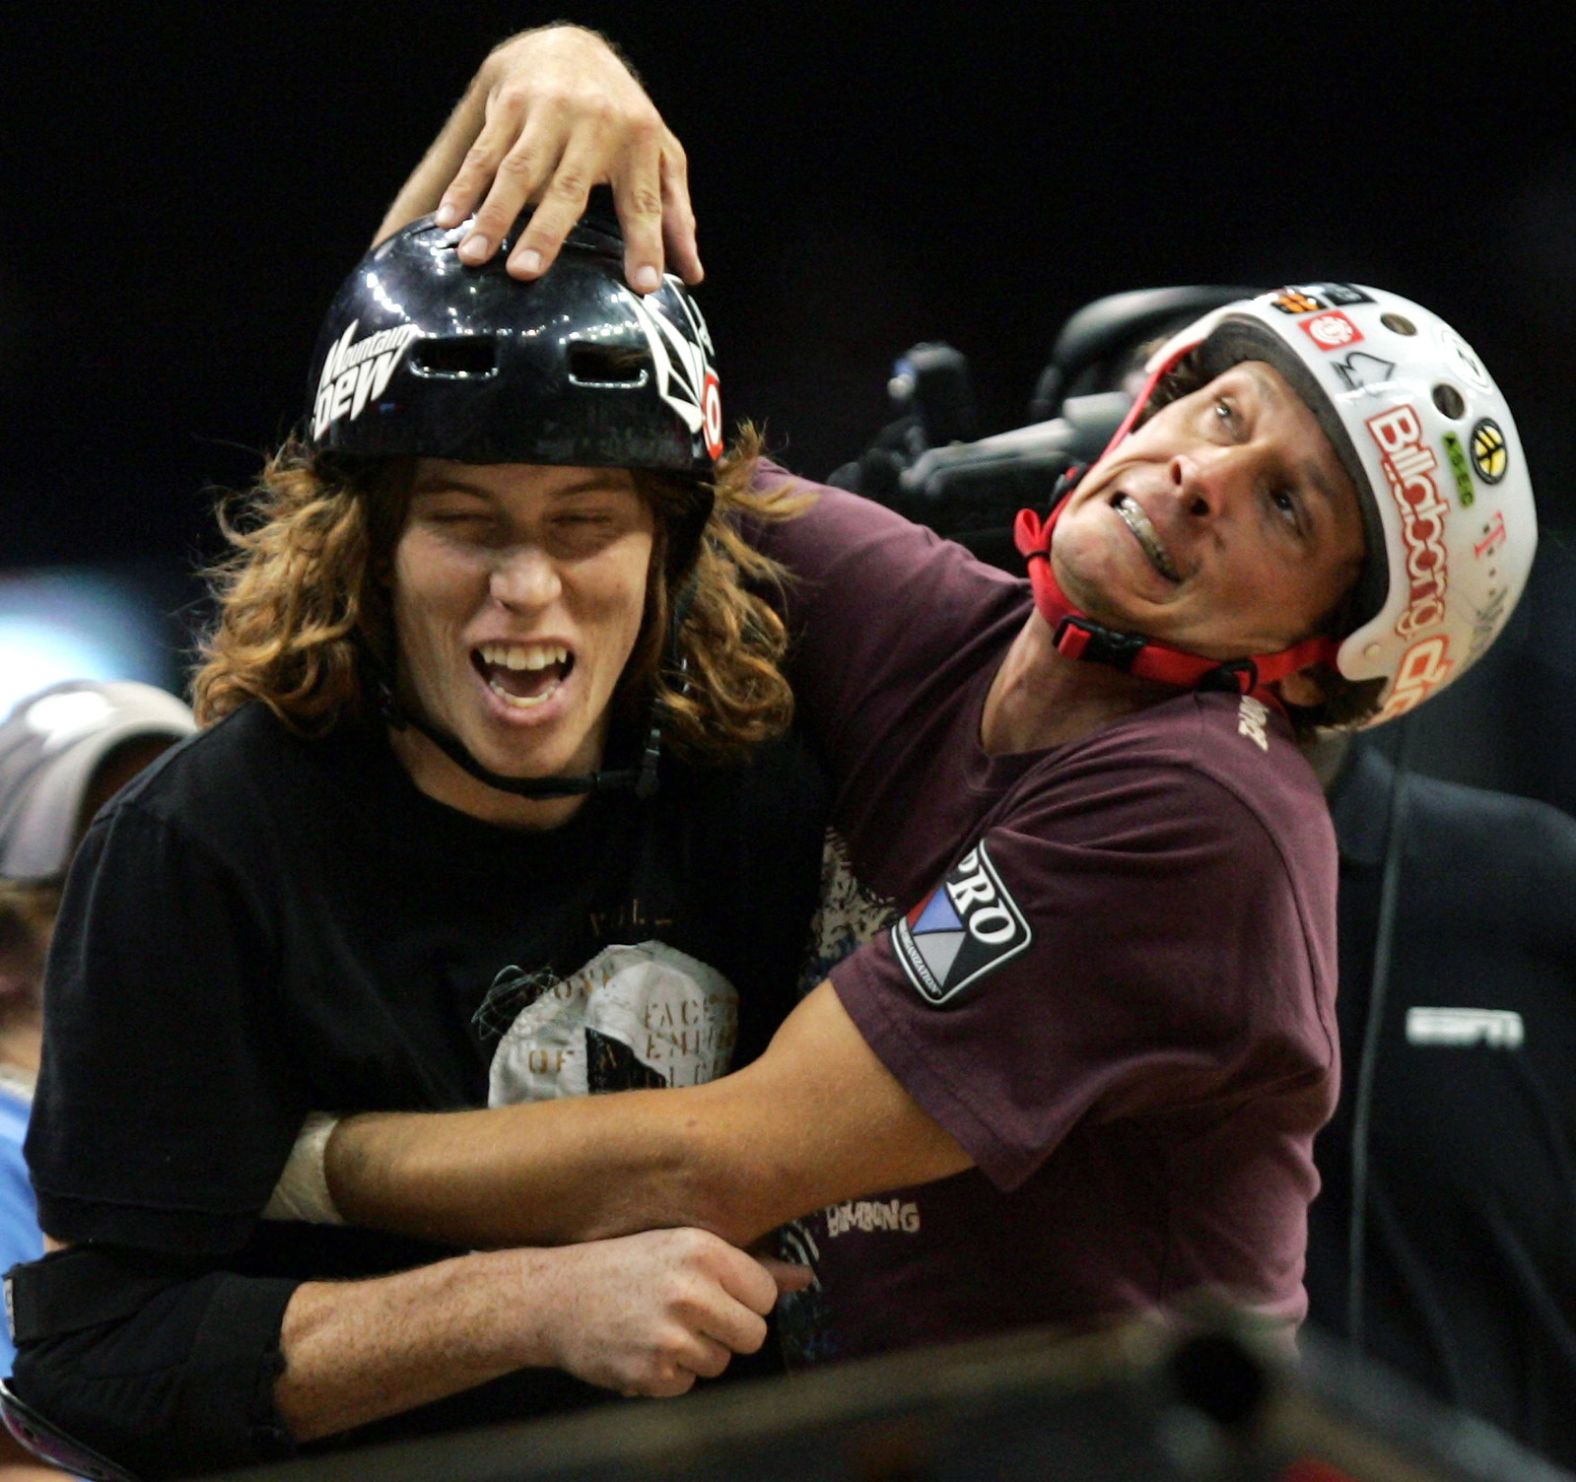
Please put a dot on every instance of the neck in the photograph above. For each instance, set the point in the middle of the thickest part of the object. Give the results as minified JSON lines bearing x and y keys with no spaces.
{"x":1040,"y":698}
{"x":438,"y":777}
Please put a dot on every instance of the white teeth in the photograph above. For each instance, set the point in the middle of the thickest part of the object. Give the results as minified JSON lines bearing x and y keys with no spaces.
{"x":524,"y":656}
{"x":522,"y":702}
{"x":1138,"y":522}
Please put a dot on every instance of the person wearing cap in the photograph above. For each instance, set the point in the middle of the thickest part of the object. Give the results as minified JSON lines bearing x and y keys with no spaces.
{"x":64,"y":751}
{"x":1074,"y":1028}
{"x":494,"y":797}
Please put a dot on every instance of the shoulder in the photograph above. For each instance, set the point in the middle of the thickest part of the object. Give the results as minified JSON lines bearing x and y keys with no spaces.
{"x":1209,"y":757}
{"x":220,"y":784}
{"x":840,"y":535}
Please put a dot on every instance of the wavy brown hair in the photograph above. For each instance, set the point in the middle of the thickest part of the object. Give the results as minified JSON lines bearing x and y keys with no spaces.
{"x":303,"y":602}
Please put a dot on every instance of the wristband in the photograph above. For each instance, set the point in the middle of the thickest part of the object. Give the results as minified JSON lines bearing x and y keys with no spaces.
{"x":302,"y":1191}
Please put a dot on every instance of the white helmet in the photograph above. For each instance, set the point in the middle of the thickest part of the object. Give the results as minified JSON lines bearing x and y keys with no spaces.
{"x":1428,"y":440}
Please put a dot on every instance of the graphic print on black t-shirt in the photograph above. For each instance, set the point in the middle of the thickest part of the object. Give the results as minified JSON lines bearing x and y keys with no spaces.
{"x":632,"y":1017}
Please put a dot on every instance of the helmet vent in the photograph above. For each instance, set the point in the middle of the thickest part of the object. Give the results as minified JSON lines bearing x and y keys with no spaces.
{"x":1450,"y":401}
{"x":1398,"y":324}
{"x":459,"y":358}
{"x":606,"y":365}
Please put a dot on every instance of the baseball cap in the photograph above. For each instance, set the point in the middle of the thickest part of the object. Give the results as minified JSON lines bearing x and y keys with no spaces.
{"x":50,"y":746}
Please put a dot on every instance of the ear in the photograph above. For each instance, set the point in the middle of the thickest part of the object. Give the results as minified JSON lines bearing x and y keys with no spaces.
{"x":1302,"y":689}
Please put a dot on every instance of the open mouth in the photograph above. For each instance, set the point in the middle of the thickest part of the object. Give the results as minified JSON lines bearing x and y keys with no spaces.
{"x":1138,"y":522}
{"x":523,"y":675}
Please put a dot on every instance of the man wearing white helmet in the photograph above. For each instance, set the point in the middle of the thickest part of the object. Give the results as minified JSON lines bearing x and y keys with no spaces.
{"x":1074,"y":1030}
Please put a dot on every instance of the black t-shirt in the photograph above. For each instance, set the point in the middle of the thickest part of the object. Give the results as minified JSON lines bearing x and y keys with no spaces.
{"x":263,"y":925}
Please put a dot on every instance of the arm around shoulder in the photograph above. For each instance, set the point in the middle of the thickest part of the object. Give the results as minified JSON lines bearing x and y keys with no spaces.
{"x":816,"y":1119}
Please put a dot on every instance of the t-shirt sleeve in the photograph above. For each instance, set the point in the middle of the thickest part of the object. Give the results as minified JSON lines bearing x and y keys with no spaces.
{"x":870,"y":606}
{"x":159,"y":997}
{"x":1128,"y":950}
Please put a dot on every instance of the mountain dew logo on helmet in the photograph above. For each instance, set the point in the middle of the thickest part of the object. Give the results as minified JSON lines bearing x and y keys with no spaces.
{"x":686,"y":379}
{"x":423,"y":355}
{"x":1430,"y":443}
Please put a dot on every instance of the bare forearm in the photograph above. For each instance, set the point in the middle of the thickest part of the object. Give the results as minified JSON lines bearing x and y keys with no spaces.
{"x":548,"y":1173}
{"x":358,"y":1351}
{"x":815,"y":1120}
{"x":647,"y":1315}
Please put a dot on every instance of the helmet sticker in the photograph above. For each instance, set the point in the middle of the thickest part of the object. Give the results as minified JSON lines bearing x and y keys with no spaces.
{"x":1424,"y":667}
{"x":1408,"y":469}
{"x":356,"y":373}
{"x":685,"y":378}
{"x":968,"y":926}
{"x":1331,"y":330}
{"x":1493,"y":535}
{"x":1459,"y":466}
{"x":1490,"y":457}
{"x":1309,"y":298}
{"x":1360,"y":370}
{"x":1464,"y":358}
{"x":1486,"y":622}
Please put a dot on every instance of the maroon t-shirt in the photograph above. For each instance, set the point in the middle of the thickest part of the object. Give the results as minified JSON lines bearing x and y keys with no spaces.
{"x":1107,"y":968}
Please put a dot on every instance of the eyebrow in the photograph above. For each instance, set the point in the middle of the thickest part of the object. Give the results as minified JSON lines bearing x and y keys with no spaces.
{"x":1309,"y":470}
{"x":435,"y":483}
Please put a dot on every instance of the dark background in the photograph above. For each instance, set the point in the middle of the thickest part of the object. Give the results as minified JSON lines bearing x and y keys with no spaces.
{"x":186,"y":186}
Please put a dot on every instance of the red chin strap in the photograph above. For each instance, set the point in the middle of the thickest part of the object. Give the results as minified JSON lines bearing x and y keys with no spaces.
{"x":1078,"y":636}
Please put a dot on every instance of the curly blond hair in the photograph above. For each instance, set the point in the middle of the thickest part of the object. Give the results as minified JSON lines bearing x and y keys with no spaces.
{"x":303,"y":603}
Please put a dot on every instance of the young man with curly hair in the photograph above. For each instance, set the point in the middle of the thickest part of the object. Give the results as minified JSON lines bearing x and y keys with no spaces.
{"x":493,"y":798}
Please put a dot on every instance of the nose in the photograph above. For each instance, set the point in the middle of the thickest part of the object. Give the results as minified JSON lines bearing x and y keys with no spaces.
{"x":524,"y":577}
{"x":1208,"y":483}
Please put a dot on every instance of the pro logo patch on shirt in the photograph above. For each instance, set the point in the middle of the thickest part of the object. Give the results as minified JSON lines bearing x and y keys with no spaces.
{"x":966,"y":927}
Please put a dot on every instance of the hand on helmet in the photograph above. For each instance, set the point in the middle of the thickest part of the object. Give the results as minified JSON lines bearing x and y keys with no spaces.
{"x":562,"y":114}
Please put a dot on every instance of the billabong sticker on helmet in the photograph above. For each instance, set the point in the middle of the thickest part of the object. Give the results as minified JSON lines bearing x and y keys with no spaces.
{"x":1409,"y":468}
{"x":685,"y":378}
{"x":356,"y":372}
{"x":1332,"y":330}
{"x":1489,"y":455}
{"x":1424,"y":667}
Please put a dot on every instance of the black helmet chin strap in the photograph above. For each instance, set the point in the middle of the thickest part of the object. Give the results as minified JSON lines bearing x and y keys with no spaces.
{"x":640,"y":778}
